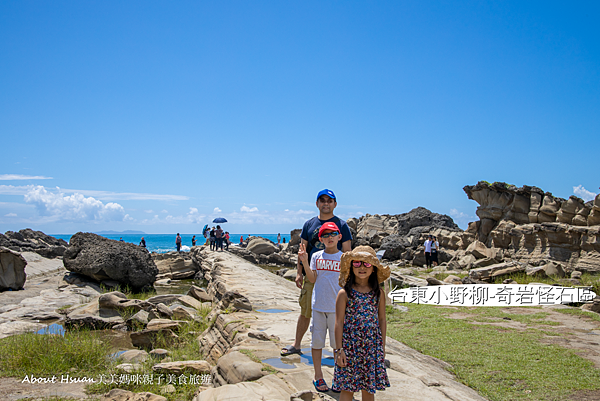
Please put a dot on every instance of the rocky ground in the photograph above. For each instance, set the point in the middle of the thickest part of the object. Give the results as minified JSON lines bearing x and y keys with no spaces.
{"x":44,"y":276}
{"x":236,"y":282}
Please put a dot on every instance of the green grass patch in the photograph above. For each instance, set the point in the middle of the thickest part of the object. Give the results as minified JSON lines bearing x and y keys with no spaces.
{"x":77,"y":353}
{"x":83,"y":353}
{"x":499,"y":362}
{"x":443,"y":276}
{"x":579,"y":312}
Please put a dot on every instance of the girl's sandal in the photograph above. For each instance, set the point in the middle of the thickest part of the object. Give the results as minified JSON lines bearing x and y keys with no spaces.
{"x":321,"y":386}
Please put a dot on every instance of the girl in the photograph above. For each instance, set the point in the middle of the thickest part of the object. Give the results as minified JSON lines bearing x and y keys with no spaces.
{"x":360,"y":326}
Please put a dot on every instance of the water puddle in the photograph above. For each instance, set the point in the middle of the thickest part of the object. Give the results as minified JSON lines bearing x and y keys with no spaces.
{"x":326,"y":359}
{"x":54,"y":328}
{"x":277,"y":363}
{"x":305,"y":357}
{"x":116,"y":354}
{"x":271,"y":268}
{"x":273,"y":310}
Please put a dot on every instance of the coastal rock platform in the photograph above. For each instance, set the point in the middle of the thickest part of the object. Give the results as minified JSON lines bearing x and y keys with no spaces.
{"x":275,"y":310}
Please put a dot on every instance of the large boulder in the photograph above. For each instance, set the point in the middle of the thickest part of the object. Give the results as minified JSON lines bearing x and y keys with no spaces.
{"x":369,"y":226}
{"x":12,"y":270}
{"x":101,"y":258}
{"x":394,"y":246}
{"x":261,"y":246}
{"x":28,"y":240}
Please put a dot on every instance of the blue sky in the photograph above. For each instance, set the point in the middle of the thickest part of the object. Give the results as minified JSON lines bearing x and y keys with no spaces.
{"x":160,"y":116}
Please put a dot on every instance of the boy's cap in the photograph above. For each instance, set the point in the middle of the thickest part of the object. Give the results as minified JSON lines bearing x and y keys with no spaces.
{"x":327,"y":192}
{"x":328,"y":226}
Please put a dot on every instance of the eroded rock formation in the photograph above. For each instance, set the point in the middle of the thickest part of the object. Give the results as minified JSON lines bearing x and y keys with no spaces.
{"x":28,"y":240}
{"x":532,"y":225}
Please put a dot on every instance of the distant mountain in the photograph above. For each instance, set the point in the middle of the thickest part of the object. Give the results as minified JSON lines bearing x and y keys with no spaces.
{"x":111,"y":232}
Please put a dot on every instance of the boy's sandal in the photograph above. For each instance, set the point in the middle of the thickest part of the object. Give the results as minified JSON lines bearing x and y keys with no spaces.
{"x":321,"y":386}
{"x":290,"y":350}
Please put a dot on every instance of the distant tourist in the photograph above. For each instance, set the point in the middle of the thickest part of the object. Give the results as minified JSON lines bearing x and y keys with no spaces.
{"x":278,"y":238}
{"x":205,"y":233}
{"x":194,"y":240}
{"x":284,"y":240}
{"x":435,"y":247}
{"x":121,"y":239}
{"x":143,"y":242}
{"x":212,"y":239}
{"x":178,"y":242}
{"x":227,"y":240}
{"x":326,"y":203}
{"x":427,"y":250}
{"x":360,"y":326}
{"x":219,"y":236}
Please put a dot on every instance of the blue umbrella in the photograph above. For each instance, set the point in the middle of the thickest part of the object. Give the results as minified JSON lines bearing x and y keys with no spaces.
{"x":219,"y":220}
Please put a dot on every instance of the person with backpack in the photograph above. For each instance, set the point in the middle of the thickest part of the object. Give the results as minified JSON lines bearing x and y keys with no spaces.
{"x":178,"y":242}
{"x":309,"y":238}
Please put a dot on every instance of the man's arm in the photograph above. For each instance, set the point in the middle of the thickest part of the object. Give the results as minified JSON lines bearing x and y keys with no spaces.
{"x":299,"y":277}
{"x":347,"y":246}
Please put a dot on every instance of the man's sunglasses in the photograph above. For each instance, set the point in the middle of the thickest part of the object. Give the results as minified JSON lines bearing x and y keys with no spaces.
{"x":333,"y":234}
{"x":357,"y":263}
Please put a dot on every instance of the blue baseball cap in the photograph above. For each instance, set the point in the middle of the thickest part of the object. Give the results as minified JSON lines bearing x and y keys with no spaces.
{"x":327,"y":192}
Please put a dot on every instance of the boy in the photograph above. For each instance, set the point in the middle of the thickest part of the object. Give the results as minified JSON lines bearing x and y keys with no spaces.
{"x":324,"y":272}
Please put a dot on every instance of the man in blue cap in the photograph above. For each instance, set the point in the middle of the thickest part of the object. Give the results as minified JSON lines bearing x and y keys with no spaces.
{"x":326,"y":203}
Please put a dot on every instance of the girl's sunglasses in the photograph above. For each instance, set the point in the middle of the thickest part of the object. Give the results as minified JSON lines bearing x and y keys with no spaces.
{"x":357,"y":263}
{"x":333,"y":234}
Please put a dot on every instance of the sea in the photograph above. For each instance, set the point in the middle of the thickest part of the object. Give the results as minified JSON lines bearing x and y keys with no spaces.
{"x":163,"y":243}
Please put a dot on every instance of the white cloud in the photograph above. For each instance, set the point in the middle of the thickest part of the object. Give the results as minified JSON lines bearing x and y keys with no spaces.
{"x":455,"y":214}
{"x":248,"y":210}
{"x":460,"y":218}
{"x":194,"y":216}
{"x":10,"y":215}
{"x":72,"y":207}
{"x":164,"y":211}
{"x":217,"y":210}
{"x":107,"y":195}
{"x":583,"y":193}
{"x":9,"y":177}
{"x":149,"y":211}
{"x":13,"y":190}
{"x":101,"y":195}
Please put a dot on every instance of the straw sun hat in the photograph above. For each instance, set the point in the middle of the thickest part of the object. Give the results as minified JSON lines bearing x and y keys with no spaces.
{"x":365,"y":254}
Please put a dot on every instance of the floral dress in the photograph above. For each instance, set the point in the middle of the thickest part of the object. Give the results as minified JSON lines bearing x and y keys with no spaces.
{"x":363,"y":346}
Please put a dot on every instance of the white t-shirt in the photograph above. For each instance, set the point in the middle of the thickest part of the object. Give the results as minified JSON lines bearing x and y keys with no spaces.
{"x":327,"y":266}
{"x":428,"y":245}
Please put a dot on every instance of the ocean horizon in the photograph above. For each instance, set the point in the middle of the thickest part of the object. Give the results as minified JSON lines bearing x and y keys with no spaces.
{"x":163,"y":243}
